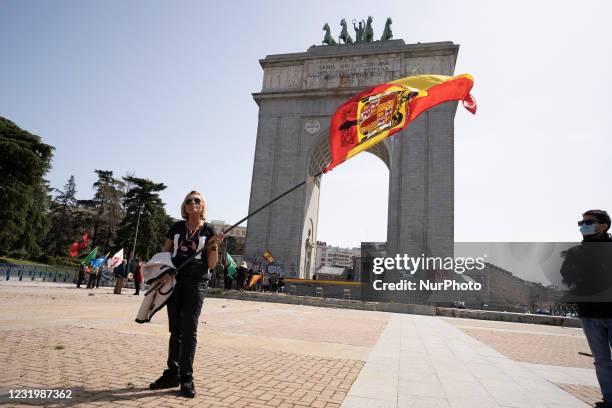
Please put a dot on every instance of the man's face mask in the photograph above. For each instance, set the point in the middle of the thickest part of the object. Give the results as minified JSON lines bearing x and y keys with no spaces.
{"x":588,"y":227}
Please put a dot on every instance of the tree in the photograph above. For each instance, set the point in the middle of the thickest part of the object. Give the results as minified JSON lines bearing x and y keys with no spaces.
{"x":143,"y":198}
{"x":64,"y":222}
{"x":38,"y":220}
{"x":234,"y":245}
{"x":24,"y":160}
{"x":108,"y":202}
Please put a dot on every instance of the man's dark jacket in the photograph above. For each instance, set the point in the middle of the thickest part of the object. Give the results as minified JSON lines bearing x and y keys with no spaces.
{"x":587,"y":271}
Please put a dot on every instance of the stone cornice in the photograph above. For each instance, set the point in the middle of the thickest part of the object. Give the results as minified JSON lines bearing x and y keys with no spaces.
{"x":364,"y":49}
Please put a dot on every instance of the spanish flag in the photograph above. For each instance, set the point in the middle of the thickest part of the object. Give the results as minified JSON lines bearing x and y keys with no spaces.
{"x":254,"y":280}
{"x":377,"y":113}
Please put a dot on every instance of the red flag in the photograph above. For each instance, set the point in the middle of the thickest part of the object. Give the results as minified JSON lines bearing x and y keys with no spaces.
{"x":74,"y":249}
{"x":84,"y":242}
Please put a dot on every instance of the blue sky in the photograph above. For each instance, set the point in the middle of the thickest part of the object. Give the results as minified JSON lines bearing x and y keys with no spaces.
{"x":163,"y":90}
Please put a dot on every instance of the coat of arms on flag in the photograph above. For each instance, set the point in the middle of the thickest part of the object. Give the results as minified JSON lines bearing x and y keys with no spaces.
{"x":380,"y":112}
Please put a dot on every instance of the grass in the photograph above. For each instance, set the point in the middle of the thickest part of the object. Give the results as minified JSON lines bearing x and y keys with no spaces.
{"x":14,"y":261}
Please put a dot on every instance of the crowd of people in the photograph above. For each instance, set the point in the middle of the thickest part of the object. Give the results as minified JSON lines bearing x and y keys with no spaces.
{"x":244,"y":278}
{"x":122,"y":273}
{"x":249,"y":279}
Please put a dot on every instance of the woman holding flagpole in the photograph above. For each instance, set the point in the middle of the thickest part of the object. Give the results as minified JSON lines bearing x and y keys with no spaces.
{"x":183,"y":240}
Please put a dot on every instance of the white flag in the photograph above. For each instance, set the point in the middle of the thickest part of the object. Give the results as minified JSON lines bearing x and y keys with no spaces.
{"x":116,"y":259}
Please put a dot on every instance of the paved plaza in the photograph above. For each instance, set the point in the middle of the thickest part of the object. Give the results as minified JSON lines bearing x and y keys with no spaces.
{"x":257,"y":354}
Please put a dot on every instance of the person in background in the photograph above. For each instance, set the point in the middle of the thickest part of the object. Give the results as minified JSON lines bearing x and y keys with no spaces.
{"x":120,"y":275}
{"x":587,"y":271}
{"x":220,"y":275}
{"x":281,"y":280}
{"x":81,"y":275}
{"x":98,"y":276}
{"x":248,"y":279}
{"x":137,"y":277}
{"x":259,"y":282}
{"x":241,"y":275}
{"x":227,"y":278}
{"x":265,"y":284}
{"x":92,"y":278}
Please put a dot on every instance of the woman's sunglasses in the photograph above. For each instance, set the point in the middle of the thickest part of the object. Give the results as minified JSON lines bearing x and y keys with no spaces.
{"x":586,"y":222}
{"x":193,"y":200}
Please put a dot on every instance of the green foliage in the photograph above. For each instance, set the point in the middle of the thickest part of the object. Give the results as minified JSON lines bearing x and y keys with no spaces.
{"x":39,"y":223}
{"x":64,"y":219}
{"x":109,"y":209}
{"x":143,"y":199}
{"x":234,"y":245}
{"x":38,"y":226}
{"x":24,"y":160}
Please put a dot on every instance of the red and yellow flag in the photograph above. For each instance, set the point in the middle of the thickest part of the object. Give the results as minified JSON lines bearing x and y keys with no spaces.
{"x":373,"y":115}
{"x":254,"y":280}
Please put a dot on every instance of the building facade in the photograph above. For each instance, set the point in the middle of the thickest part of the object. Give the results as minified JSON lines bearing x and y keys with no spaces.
{"x":327,"y":255}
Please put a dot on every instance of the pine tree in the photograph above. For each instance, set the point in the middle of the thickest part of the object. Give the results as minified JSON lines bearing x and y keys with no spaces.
{"x":108,"y":202}
{"x":143,"y":199}
{"x":38,"y":220}
{"x":64,"y":228}
{"x":24,"y":160}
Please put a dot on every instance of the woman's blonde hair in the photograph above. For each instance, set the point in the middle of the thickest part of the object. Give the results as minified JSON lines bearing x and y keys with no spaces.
{"x":202,"y":206}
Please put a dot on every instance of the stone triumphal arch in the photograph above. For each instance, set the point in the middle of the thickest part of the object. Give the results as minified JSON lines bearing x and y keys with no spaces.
{"x":300,"y":92}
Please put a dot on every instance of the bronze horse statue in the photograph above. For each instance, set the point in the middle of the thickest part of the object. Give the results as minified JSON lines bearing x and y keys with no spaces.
{"x":368,"y":34}
{"x":344,"y":34}
{"x":387,"y":33}
{"x":328,"y":39}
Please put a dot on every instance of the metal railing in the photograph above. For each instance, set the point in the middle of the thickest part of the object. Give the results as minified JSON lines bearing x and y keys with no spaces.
{"x":44,"y":273}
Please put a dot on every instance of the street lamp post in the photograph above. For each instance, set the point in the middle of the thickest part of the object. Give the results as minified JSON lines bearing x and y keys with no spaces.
{"x":135,"y":235}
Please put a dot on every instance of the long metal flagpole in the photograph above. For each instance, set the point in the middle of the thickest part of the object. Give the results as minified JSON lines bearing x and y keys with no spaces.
{"x":310,"y":179}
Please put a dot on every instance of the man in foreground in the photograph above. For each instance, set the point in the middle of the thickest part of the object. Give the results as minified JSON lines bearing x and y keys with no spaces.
{"x":587,"y":270}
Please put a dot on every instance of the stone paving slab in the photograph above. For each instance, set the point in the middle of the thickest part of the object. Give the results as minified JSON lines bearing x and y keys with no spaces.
{"x":105,"y":365}
{"x":437,"y":364}
{"x":565,"y":375}
{"x":255,"y":354}
{"x":531,"y":344}
{"x":249,"y":354}
{"x":589,"y":394}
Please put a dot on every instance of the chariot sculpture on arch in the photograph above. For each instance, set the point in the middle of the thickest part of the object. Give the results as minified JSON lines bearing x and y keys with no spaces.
{"x":368,"y":31}
{"x":358,"y":31}
{"x":344,"y":34}
{"x":328,"y":39}
{"x":387,"y":33}
{"x":364,"y":32}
